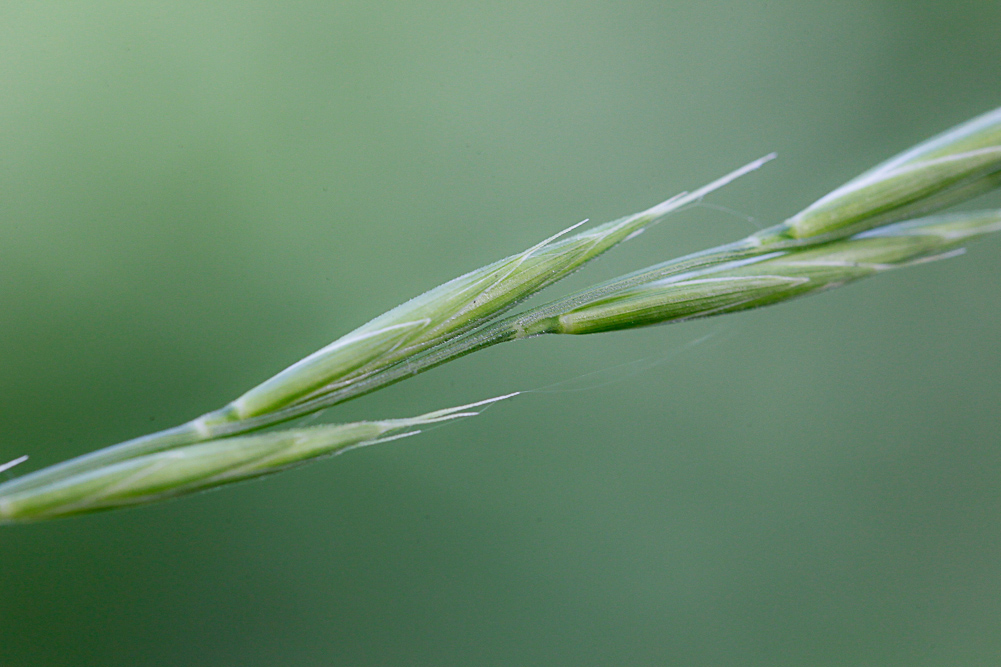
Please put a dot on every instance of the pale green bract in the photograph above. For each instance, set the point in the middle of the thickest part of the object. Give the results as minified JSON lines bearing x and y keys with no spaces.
{"x":952,"y":167}
{"x":871,"y":224}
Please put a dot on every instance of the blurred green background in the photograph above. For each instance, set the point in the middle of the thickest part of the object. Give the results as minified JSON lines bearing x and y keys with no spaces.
{"x":194,"y":195}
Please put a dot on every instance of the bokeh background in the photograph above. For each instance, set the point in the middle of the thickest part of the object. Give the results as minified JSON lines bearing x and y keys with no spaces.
{"x":194,"y":195}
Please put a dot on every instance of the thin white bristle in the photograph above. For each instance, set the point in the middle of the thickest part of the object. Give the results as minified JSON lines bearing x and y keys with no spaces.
{"x":10,"y":464}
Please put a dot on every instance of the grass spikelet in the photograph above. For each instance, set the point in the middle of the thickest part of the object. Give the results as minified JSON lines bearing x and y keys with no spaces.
{"x":185,"y":470}
{"x":452,"y":309}
{"x":957,"y":165}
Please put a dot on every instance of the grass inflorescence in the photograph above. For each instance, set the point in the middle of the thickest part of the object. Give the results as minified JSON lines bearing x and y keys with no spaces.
{"x":881,"y":220}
